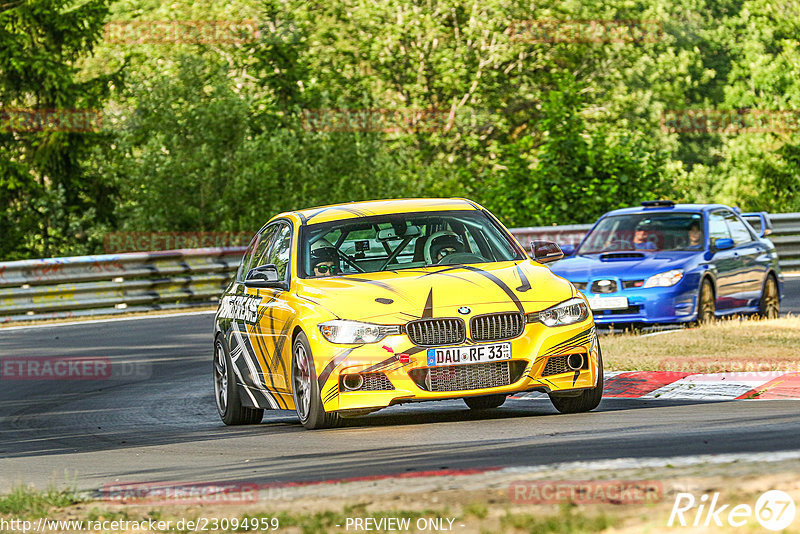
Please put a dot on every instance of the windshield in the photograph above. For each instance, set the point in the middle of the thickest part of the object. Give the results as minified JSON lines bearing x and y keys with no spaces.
{"x":646,"y":231}
{"x":402,"y":241}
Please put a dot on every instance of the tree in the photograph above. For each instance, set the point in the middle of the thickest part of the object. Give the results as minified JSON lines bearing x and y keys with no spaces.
{"x":50,"y":201}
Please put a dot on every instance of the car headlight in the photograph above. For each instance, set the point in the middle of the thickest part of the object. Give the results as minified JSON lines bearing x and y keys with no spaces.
{"x":571,"y":311}
{"x":341,"y":331}
{"x":665,"y":279}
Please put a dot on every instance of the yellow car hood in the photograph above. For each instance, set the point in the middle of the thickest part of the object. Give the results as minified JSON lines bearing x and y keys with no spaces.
{"x":437,"y":291}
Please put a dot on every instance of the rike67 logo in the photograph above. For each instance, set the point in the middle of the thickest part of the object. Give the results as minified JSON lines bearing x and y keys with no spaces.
{"x":774,"y":510}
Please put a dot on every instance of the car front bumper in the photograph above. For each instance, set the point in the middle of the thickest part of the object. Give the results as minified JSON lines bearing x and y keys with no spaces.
{"x":677,"y":304}
{"x":538,"y":362}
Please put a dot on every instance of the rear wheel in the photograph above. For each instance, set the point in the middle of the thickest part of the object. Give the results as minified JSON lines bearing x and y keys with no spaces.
{"x":229,"y":404}
{"x":305,"y":389}
{"x":587,"y":400}
{"x":706,"y":305}
{"x":485,"y":402}
{"x":770,"y":305}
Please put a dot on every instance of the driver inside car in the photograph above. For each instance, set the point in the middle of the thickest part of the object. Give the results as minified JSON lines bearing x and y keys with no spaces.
{"x":324,"y":259}
{"x":443,"y":244}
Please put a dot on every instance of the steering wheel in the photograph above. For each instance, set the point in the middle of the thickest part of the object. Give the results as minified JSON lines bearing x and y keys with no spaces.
{"x":461,"y":257}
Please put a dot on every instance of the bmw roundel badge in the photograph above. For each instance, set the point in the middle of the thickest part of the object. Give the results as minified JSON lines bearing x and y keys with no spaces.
{"x":464,"y":310}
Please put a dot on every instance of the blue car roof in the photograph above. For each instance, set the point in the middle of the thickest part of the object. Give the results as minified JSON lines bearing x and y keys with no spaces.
{"x":677,"y":208}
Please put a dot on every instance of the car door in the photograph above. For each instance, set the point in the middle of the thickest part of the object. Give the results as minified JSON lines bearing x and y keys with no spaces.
{"x":727,"y":262}
{"x":240,"y":306}
{"x":747,"y":249}
{"x":270,"y":333}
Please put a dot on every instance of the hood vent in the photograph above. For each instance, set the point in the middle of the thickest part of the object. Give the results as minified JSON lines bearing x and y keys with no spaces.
{"x":621,"y":256}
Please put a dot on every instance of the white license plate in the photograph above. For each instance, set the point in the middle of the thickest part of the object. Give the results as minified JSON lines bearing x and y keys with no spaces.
{"x":608,"y":303}
{"x":473,"y":354}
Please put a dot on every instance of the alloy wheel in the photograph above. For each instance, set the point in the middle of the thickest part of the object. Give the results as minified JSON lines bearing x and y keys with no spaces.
{"x":302,"y":382}
{"x":220,"y":378}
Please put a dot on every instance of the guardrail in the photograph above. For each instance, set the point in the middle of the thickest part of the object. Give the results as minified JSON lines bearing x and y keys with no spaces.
{"x":142,"y":281}
{"x":114,"y":283}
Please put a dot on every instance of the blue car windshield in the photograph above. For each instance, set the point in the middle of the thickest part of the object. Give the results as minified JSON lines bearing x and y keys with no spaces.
{"x":642,"y":232}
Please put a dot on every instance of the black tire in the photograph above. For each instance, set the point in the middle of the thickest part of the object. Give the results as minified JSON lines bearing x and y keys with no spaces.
{"x":226,"y":392}
{"x":706,"y":303}
{"x":485,"y":402}
{"x":587,"y":400}
{"x":305,"y":388}
{"x":770,"y":305}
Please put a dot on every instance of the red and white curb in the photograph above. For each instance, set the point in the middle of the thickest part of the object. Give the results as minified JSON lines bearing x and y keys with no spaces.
{"x":673,"y":385}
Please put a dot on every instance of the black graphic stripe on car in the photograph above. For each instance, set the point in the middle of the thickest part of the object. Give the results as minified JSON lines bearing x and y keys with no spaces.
{"x":525,"y":285}
{"x":339,"y":358}
{"x":499,"y":283}
{"x":427,"y":312}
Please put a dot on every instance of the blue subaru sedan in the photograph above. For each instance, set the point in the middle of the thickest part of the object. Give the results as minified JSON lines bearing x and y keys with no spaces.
{"x":675,"y":263}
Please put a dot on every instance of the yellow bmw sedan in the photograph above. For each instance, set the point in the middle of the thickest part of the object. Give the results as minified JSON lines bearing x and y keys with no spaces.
{"x":342,"y":310}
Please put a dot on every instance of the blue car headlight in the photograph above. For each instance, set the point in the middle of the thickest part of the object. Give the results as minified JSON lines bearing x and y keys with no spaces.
{"x":665,"y":279}
{"x":570,"y":311}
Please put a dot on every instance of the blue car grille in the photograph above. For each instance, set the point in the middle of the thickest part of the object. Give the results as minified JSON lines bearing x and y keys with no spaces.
{"x":604,"y":286}
{"x":630,"y":310}
{"x":631,"y":284}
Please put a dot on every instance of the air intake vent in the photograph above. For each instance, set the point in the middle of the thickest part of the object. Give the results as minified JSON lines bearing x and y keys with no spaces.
{"x":436,"y":332}
{"x":376,"y":382}
{"x":496,"y":326}
{"x":468,"y":377}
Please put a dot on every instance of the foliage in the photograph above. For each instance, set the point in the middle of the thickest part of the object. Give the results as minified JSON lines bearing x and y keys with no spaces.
{"x":49,"y":200}
{"x":216,"y":135}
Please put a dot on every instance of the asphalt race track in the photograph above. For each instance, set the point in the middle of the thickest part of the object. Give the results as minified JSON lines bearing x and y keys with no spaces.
{"x":160,"y":424}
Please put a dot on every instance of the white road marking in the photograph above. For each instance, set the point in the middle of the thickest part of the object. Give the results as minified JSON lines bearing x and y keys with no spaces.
{"x":109,"y":320}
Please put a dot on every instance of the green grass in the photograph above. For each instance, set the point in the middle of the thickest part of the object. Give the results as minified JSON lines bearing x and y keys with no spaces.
{"x":568,"y":521}
{"x":25,"y":501}
{"x":724,"y":346}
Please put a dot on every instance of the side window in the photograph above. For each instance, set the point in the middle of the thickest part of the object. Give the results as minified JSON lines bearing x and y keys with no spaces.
{"x":247,"y":258}
{"x":739,"y":231}
{"x":717,"y":229}
{"x":267,"y":236}
{"x":280,"y":250}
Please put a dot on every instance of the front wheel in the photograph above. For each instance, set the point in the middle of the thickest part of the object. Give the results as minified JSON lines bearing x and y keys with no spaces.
{"x":587,"y":400}
{"x":770,"y":305}
{"x":305,"y":389}
{"x":706,"y":305}
{"x":485,"y":402}
{"x":229,"y":404}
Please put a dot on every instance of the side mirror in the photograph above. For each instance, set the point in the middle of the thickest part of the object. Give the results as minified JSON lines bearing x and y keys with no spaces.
{"x":568,"y":250}
{"x":545,"y":251}
{"x":264,"y":276}
{"x":723,"y":244}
